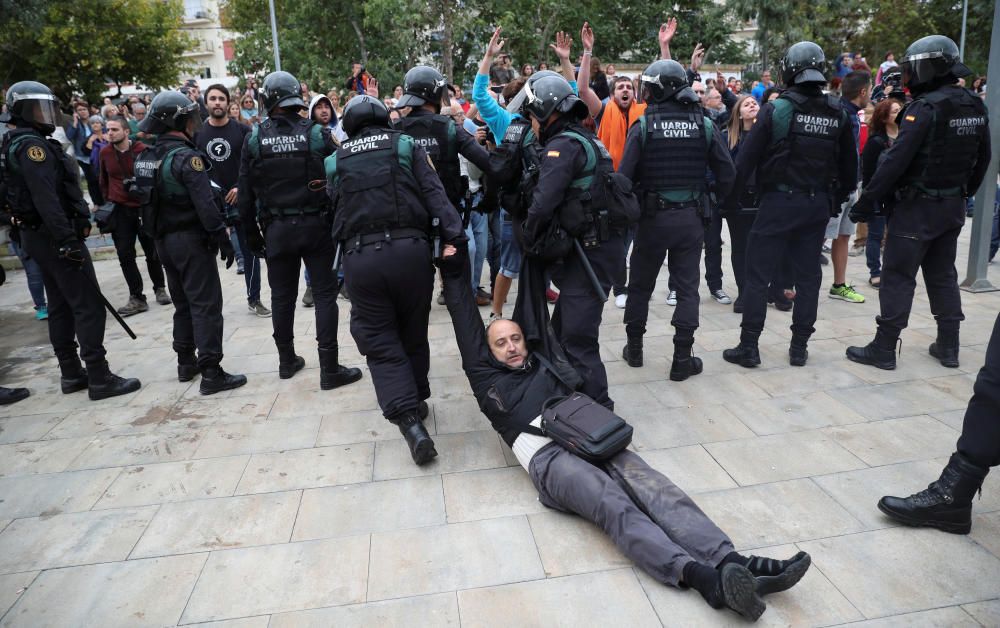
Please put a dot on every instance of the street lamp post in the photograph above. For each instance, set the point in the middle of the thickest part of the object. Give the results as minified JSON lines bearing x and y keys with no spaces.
{"x":274,"y":38}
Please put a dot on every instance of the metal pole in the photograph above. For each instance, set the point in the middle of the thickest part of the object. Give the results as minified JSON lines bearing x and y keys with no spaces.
{"x":982,"y":222}
{"x":965,"y":17}
{"x":274,"y":38}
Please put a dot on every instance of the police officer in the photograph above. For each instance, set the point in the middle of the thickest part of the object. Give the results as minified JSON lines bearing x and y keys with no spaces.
{"x":666,"y":155}
{"x":184,"y":214}
{"x":808,"y":167}
{"x":43,"y":192}
{"x":282,"y":190}
{"x":947,"y":503}
{"x":385,"y":193}
{"x":571,"y":190}
{"x":939,"y":158}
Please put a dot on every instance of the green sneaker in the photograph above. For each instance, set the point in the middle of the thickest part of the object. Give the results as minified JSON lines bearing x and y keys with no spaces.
{"x":846,"y":292}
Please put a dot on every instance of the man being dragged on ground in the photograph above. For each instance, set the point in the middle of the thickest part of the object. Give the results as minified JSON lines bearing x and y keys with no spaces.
{"x":652,"y":521}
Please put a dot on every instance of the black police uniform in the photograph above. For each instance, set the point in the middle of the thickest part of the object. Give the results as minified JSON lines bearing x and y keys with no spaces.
{"x":666,"y":155}
{"x":576,"y":319}
{"x":940,"y":157}
{"x":281,"y":187}
{"x":808,"y":164}
{"x":385,"y":193}
{"x":186,"y":222}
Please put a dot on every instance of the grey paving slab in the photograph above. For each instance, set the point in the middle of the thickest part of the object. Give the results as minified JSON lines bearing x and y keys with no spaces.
{"x":986,"y":531}
{"x":733,"y":388}
{"x":53,"y":493}
{"x":223,"y":523}
{"x":49,"y":456}
{"x":12,"y":586}
{"x":432,"y":611}
{"x":110,"y":421}
{"x":465,"y":451}
{"x":801,"y":381}
{"x":71,"y":539}
{"x":794,"y":413}
{"x":19,"y":429}
{"x":780,"y":512}
{"x":691,"y":468}
{"x":902,"y":399}
{"x":174,"y":481}
{"x":489,"y":493}
{"x":145,"y":593}
{"x":896,"y":440}
{"x":278,"y":578}
{"x":782,"y":457}
{"x":568,"y":544}
{"x":938,"y":569}
{"x":250,"y":407}
{"x":135,"y":449}
{"x":232,"y":439}
{"x":344,"y":428}
{"x":611,"y":598}
{"x":371,"y":507}
{"x":986,"y":613}
{"x":308,"y":468}
{"x":458,"y":415}
{"x":450,"y":557}
{"x":360,"y":396}
{"x":259,"y":621}
{"x":674,"y":427}
{"x":935,"y":618}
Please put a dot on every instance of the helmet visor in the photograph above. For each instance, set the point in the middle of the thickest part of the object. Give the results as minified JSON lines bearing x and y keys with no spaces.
{"x":36,"y":108}
{"x":921,"y":68}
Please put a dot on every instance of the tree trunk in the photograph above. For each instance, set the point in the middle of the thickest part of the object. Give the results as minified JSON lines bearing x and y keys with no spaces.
{"x":361,"y":41}
{"x":447,"y":38}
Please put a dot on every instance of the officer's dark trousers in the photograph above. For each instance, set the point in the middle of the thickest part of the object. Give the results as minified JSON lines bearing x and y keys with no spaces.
{"x":713,"y":256}
{"x":647,"y":516}
{"x":680,"y":231}
{"x":291,"y":242}
{"x":792,"y":224}
{"x":576,"y":319}
{"x":980,"y":439}
{"x":739,"y":234}
{"x":390,"y":286}
{"x":127,"y":230}
{"x":76,"y":311}
{"x":923,"y":234}
{"x":189,"y":259}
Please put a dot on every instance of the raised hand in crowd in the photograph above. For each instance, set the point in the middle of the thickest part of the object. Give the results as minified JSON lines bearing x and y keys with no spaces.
{"x":666,"y":34}
{"x":697,"y":57}
{"x":562,"y":47}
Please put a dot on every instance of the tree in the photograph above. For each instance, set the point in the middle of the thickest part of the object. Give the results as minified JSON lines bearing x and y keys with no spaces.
{"x":79,"y":47}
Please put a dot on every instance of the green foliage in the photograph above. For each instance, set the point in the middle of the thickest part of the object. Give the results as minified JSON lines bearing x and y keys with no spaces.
{"x":78,"y":47}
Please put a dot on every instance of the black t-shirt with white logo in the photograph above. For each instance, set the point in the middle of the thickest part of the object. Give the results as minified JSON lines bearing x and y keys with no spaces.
{"x":223,"y":145}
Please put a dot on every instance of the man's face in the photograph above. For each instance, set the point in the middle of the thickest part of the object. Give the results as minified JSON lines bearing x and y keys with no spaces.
{"x":322,"y":112}
{"x":83,"y":112}
{"x":865,"y":97}
{"x":116,"y":133}
{"x":507,"y":343}
{"x":766,"y":77}
{"x":624,"y":96}
{"x":712,"y":99}
{"x":356,"y":68}
{"x":698,"y":88}
{"x":218,"y":104}
{"x":139,"y":111}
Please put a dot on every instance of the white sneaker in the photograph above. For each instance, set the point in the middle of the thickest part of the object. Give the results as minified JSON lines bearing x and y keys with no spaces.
{"x":620,"y":301}
{"x":720,"y":296}
{"x":672,"y":297}
{"x":493,"y":317}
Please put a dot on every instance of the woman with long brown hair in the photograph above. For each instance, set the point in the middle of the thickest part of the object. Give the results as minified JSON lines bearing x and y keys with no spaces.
{"x":743,"y":115}
{"x":882,"y":131}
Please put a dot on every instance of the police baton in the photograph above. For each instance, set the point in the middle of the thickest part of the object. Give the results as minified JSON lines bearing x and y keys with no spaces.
{"x":595,"y":283}
{"x":107,"y":305}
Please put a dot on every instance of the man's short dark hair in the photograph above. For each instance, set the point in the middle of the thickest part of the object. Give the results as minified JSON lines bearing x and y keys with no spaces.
{"x":854,"y":83}
{"x":120,"y":120}
{"x":219,"y":87}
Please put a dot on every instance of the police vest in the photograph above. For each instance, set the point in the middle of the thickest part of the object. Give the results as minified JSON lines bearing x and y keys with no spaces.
{"x":436,"y":134}
{"x":287,"y":156}
{"x":515,"y":164}
{"x":588,"y":192}
{"x":805,"y":142}
{"x":675,"y":145}
{"x":18,"y":196}
{"x":165,"y":203}
{"x":374,"y":189}
{"x":951,"y":148}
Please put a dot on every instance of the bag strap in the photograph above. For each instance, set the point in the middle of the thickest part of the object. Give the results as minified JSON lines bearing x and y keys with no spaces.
{"x":583,"y":182}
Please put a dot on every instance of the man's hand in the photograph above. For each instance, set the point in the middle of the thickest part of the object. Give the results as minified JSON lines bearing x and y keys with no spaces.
{"x":587,"y":36}
{"x":666,"y":34}
{"x":720,"y":83}
{"x":226,"y":251}
{"x":454,"y":259}
{"x":862,"y":211}
{"x":496,"y":44}
{"x":563,"y":45}
{"x":231,"y":197}
{"x":371,"y":88}
{"x":72,"y":251}
{"x":697,"y":57}
{"x":255,"y":241}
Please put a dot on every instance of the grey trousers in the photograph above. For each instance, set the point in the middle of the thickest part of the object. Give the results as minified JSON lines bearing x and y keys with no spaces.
{"x":651,"y":521}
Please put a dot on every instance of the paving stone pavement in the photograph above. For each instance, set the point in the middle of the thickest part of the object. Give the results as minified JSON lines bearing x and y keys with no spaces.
{"x":281,"y":505}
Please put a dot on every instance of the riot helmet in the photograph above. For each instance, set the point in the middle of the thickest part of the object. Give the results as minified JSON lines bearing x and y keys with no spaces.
{"x":281,"y":89}
{"x":803,"y":63}
{"x":170,"y":111}
{"x":516,"y":104}
{"x":362,"y":111}
{"x":550,"y":94}
{"x":422,"y":85}
{"x":930,"y":61}
{"x":32,"y":104}
{"x":664,"y":80}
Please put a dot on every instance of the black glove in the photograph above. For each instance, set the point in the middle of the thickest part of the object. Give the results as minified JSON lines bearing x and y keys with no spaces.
{"x":82,"y":227}
{"x":226,"y":251}
{"x":862,"y":211}
{"x":454,"y":265}
{"x":73,"y":252}
{"x":255,"y":241}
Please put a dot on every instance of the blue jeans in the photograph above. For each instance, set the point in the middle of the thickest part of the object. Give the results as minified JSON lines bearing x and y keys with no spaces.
{"x":35,"y":284}
{"x":251,"y":274}
{"x":873,"y":245}
{"x":510,"y":249}
{"x":477,"y":233}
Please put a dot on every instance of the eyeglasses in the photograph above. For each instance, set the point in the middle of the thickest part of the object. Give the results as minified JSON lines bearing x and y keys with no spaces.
{"x":700,"y":92}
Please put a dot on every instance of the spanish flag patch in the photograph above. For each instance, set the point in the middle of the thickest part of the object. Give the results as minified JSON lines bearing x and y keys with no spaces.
{"x":552,"y":153}
{"x":911,"y":118}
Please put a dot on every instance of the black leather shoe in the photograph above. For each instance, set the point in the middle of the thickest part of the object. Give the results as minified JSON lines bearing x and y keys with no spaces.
{"x":797,"y":566}
{"x":74,"y":376}
{"x":289,"y":365}
{"x":215,"y":380}
{"x":780,"y":301}
{"x":945,"y":504}
{"x":12,"y":395}
{"x":683,"y":368}
{"x":746,"y":354}
{"x":102,"y":383}
{"x":945,"y":348}
{"x":739,"y":591}
{"x":342,"y":376}
{"x":187,"y":367}
{"x":417,"y":439}
{"x":880,"y":352}
{"x":632,"y":353}
{"x":798,"y":354}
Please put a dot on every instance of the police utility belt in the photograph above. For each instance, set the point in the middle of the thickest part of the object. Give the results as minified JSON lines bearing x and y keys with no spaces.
{"x":655,"y":201}
{"x":401,"y":233}
{"x":788,"y":189}
{"x":911,"y":192}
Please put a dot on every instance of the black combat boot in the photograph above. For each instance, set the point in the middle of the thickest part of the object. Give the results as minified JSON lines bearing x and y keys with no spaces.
{"x":945,"y":349}
{"x":12,"y":395}
{"x":797,"y":352}
{"x":214,"y":380}
{"x":332,"y":374}
{"x":746,"y":354}
{"x":945,"y":504}
{"x":288,"y":363}
{"x":74,"y":376}
{"x":187,"y":366}
{"x":423,"y":410}
{"x":684,"y":365}
{"x":880,"y":352}
{"x":632,"y":353}
{"x":417,"y":439}
{"x":102,"y":383}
